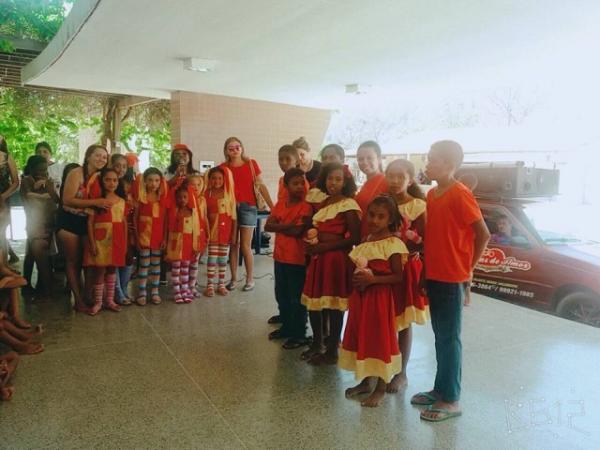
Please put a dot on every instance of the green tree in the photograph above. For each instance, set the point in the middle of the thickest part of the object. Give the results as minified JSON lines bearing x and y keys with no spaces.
{"x":148,"y":127}
{"x":39,"y":20}
{"x":28,"y":116}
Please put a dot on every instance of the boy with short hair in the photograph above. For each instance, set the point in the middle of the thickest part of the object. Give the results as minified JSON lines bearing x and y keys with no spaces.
{"x":289,"y":219}
{"x":456,"y":236}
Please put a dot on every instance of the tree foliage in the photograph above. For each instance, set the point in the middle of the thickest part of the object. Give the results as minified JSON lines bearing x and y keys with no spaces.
{"x":39,"y":20}
{"x":29,"y":116}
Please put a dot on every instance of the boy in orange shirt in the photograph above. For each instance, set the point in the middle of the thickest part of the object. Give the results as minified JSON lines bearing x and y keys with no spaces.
{"x":455,"y":238}
{"x":289,"y":219}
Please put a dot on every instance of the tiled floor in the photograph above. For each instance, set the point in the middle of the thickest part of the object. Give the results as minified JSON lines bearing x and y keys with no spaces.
{"x":205,"y":376}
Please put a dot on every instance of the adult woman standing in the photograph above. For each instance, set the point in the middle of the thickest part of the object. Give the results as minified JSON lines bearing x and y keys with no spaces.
{"x":72,"y":217}
{"x":246,"y":173}
{"x":368,"y":157}
{"x":310,"y":166}
{"x":9,"y":182}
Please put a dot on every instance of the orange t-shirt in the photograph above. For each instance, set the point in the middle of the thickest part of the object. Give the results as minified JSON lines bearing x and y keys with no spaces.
{"x":449,"y":236}
{"x":288,"y":249}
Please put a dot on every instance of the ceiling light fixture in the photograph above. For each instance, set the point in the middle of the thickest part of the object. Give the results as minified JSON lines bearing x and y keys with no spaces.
{"x":199,"y":64}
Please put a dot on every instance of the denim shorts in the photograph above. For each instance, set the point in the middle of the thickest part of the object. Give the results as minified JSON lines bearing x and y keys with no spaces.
{"x":246,"y":215}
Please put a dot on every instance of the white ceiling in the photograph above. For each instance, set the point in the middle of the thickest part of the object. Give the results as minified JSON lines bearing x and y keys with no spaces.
{"x":302,"y":51}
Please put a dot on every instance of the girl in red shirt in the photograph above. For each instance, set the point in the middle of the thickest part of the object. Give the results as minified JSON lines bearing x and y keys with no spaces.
{"x":221,"y":212}
{"x":150,"y":194}
{"x":107,"y":242}
{"x":182,"y":237}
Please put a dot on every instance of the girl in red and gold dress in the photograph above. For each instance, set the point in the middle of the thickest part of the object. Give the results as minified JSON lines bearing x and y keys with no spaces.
{"x":221,"y":211}
{"x":182,"y":237}
{"x":370,"y":346}
{"x":196,"y":182}
{"x":329,"y":279}
{"x":150,"y":195}
{"x":369,"y":161}
{"x":107,"y":242}
{"x":411,"y":304}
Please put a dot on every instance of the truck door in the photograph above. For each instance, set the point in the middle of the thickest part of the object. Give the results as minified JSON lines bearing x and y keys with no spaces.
{"x":510,"y":267}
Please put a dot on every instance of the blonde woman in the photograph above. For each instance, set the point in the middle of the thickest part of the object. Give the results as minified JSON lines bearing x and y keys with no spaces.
{"x":246,"y":172}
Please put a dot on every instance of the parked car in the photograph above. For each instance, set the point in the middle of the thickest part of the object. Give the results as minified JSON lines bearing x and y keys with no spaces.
{"x":544,"y":268}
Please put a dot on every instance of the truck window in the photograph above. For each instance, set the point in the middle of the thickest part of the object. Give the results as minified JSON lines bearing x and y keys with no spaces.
{"x":503,"y":228}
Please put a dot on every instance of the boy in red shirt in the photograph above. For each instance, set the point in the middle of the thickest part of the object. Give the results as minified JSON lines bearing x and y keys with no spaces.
{"x":455,"y":238}
{"x":289,"y":219}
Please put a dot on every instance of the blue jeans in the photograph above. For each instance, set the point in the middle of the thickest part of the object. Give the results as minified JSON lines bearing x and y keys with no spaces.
{"x":289,"y":281}
{"x":445,"y":306}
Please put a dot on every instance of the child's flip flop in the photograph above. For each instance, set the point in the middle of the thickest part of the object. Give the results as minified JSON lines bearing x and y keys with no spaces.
{"x":442,"y":414}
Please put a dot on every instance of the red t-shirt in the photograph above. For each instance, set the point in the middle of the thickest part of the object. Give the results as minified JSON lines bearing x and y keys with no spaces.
{"x":243,"y":182}
{"x":449,"y":235}
{"x":288,"y":249}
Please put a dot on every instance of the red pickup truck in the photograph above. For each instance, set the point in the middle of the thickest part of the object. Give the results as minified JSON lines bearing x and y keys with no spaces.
{"x":531,"y":266}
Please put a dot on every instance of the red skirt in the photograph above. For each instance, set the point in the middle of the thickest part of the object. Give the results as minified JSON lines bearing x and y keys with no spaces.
{"x":328,"y":281}
{"x":370,"y":344}
{"x":411,"y":305}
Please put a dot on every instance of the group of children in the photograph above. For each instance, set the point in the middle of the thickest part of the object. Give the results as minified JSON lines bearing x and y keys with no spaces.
{"x":397,"y":258}
{"x":390,"y":256}
{"x":171,"y":221}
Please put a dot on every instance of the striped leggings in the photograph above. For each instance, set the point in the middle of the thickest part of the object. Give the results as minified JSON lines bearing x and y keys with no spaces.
{"x":217,"y":263}
{"x":149,"y":271}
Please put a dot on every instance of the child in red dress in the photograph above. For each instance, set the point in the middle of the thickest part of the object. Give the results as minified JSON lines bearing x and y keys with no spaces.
{"x":370,"y":347}
{"x":221,"y":212}
{"x":411,"y":304}
{"x":182,"y":237}
{"x":107,"y":243}
{"x":150,"y":194}
{"x":328,"y":281}
{"x":196,"y":182}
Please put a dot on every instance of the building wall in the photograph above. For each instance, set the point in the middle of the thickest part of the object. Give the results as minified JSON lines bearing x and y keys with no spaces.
{"x":204,"y":121}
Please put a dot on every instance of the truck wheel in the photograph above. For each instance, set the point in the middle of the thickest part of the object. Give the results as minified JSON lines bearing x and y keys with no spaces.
{"x":580,"y":306}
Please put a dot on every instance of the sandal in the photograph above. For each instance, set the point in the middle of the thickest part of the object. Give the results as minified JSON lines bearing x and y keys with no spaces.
{"x":141,"y":300}
{"x":248,"y":287}
{"x":112,"y":307}
{"x":155,"y":299}
{"x":179,"y":300}
{"x":222,"y":290}
{"x":126,"y":301}
{"x":274,"y":319}
{"x":230,"y":286}
{"x":442,"y":414}
{"x":308,"y":354}
{"x":277,"y":334}
{"x":209,"y":291}
{"x":427,"y":399}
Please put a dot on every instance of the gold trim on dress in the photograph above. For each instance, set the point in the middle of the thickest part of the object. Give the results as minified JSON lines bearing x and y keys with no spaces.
{"x":330,"y":211}
{"x":325,"y":302}
{"x":316,"y":195}
{"x":412,"y":209}
{"x":370,"y":367}
{"x":381,"y":249}
{"x":412,"y":314}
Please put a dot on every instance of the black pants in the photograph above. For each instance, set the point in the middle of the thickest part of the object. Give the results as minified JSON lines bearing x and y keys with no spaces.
{"x":289,"y":282}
